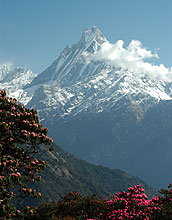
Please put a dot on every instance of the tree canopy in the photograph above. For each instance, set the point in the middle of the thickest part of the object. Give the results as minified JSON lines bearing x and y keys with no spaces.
{"x":21,"y":136}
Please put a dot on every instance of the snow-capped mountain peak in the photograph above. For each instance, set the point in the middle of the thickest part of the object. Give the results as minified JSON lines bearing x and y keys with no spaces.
{"x":18,"y":76}
{"x":14,"y":81}
{"x":75,"y":82}
{"x":4,"y":70}
{"x":90,"y":35}
{"x":71,"y":66}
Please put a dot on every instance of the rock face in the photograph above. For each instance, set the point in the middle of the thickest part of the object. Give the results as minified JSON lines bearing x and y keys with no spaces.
{"x":105,"y":112}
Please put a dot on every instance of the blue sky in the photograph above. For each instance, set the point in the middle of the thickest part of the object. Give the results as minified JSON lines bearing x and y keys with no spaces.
{"x":34,"y":32}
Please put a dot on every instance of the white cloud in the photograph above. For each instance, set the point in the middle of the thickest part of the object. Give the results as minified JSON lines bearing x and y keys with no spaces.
{"x":134,"y":58}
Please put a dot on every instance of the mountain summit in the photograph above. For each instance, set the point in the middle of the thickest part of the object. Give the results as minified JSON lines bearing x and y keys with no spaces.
{"x":71,"y":65}
{"x":93,"y":35}
{"x":84,"y":79}
{"x":104,"y":103}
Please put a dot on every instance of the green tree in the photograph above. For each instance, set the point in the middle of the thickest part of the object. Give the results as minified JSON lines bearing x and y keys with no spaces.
{"x":21,"y":136}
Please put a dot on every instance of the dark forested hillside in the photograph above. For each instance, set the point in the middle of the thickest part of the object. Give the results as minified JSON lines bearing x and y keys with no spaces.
{"x":65,"y":173}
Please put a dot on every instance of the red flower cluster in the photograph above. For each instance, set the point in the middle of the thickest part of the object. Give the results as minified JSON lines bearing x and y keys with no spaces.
{"x":133,"y":204}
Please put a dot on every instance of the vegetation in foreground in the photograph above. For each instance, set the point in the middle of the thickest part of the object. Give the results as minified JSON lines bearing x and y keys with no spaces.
{"x":133,"y":204}
{"x":21,"y":137}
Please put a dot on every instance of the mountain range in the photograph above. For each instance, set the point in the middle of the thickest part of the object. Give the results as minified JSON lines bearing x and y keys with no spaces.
{"x":105,"y":104}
